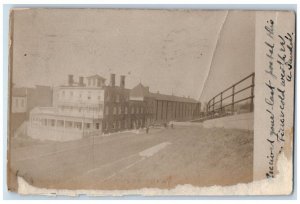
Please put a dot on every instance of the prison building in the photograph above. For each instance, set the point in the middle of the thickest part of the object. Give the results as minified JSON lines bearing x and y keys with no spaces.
{"x":174,"y":108}
{"x":141,"y":107}
{"x":161,"y":108}
{"x":116,"y":103}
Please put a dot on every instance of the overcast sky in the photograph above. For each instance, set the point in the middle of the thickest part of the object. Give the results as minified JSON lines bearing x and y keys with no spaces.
{"x":169,"y":51}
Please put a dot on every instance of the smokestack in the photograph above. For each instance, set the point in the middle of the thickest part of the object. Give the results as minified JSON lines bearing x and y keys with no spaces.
{"x":81,"y":81}
{"x":70,"y":80}
{"x":122,"y":81}
{"x":112,"y":79}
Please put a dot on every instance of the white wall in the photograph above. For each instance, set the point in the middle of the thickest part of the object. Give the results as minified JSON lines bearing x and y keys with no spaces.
{"x":241,"y":121}
{"x":80,"y":95}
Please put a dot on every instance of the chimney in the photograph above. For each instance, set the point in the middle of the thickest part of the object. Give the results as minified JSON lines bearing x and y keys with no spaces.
{"x":70,"y":80}
{"x":122,"y":81}
{"x":81,"y":81}
{"x":112,"y":79}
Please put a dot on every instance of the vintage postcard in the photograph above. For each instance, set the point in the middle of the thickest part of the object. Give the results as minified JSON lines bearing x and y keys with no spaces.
{"x":151,"y":102}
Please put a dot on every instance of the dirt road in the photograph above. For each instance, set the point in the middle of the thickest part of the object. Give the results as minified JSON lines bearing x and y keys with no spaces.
{"x":162,"y":158}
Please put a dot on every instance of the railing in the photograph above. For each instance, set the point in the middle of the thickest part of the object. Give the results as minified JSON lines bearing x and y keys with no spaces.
{"x":219,"y":106}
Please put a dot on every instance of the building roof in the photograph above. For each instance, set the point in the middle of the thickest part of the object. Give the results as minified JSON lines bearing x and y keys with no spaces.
{"x":97,"y":77}
{"x":140,"y":91}
{"x":165,"y":97}
{"x":143,"y":91}
{"x":20,"y":91}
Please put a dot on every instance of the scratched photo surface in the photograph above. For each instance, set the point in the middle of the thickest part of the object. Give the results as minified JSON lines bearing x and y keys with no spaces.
{"x":129,"y":99}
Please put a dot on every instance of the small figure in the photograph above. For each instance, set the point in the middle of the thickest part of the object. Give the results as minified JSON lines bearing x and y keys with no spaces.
{"x":147,"y":129}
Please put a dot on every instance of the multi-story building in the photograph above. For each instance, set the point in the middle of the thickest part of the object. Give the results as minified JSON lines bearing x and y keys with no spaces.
{"x":141,"y":107}
{"x":77,"y":111}
{"x":90,"y":107}
{"x":175,"y":108}
{"x":149,"y":108}
{"x":84,"y":108}
{"x":116,"y":104}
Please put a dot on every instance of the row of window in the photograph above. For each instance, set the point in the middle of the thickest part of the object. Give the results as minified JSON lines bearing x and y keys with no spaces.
{"x":134,"y":110}
{"x":115,"y":125}
{"x":80,"y":95}
{"x":94,"y":82}
{"x":116,"y":97}
{"x":19,"y":102}
{"x":37,"y":121}
{"x":81,"y":109}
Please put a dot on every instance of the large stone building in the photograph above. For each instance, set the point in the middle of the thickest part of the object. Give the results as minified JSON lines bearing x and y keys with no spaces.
{"x":84,"y":108}
{"x":90,"y":107}
{"x":159,"y":108}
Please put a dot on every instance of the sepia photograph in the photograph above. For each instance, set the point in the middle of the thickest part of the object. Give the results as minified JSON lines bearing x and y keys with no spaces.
{"x":128,"y":99}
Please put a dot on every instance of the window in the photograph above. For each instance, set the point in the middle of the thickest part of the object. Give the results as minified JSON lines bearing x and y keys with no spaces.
{"x":63,"y":93}
{"x":120,"y":124}
{"x":78,"y":125}
{"x":89,"y":82}
{"x":22,"y":103}
{"x":99,"y":97}
{"x":60,"y":123}
{"x":132,"y":110}
{"x":117,"y":98}
{"x":51,"y":122}
{"x":44,"y":122}
{"x":97,"y":126}
{"x":107,"y":96}
{"x":87,"y":125}
{"x":115,"y":111}
{"x":69,"y":124}
{"x":120,"y":110}
{"x":80,"y":95}
{"x":71,"y":93}
{"x":17,"y":102}
{"x":126,"y":110}
{"x":142,"y":110}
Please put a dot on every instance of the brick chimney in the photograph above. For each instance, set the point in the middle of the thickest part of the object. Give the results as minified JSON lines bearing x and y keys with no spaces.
{"x":122,"y":81}
{"x":112,"y":79}
{"x":80,"y":81}
{"x":70,"y":80}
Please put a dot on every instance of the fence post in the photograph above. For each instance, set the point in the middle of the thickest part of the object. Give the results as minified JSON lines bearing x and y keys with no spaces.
{"x":213,"y":106}
{"x":207,"y":108}
{"x":252,"y":93}
{"x":221,"y":108}
{"x":232,"y":105}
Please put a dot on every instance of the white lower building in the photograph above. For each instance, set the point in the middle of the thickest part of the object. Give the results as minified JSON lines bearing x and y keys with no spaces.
{"x":77,"y":112}
{"x":48,"y":123}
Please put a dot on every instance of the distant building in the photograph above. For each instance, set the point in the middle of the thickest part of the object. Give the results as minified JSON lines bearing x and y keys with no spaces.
{"x":24,"y":99}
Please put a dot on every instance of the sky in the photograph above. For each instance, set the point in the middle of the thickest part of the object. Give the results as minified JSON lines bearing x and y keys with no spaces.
{"x":169,"y":51}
